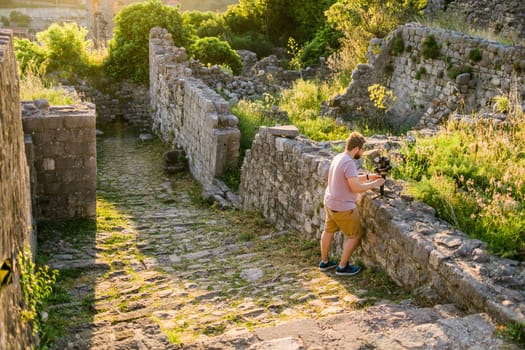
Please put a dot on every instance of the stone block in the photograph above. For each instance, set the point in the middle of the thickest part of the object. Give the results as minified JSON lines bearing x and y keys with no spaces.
{"x":288,"y":131}
{"x":52,"y":122}
{"x":66,"y":163}
{"x":33,"y":124}
{"x":44,"y":176}
{"x":52,"y":149}
{"x":79,"y":121}
{"x":80,"y":148}
{"x":48,"y":164}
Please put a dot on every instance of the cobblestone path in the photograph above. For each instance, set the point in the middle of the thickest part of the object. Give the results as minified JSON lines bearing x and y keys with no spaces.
{"x":163,"y":271}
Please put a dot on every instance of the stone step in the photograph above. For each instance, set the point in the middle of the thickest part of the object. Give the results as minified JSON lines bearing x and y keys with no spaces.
{"x":384,"y":326}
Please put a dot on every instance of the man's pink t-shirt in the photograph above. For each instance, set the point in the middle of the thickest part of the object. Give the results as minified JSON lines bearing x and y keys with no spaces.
{"x":338,"y":195}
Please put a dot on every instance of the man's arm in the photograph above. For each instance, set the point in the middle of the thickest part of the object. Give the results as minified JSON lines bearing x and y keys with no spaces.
{"x":356,"y":186}
{"x":368,"y":177}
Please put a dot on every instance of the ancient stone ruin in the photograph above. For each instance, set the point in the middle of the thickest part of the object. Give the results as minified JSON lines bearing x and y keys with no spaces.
{"x":63,"y":147}
{"x":15,"y":200}
{"x":464,"y":74}
{"x":48,"y":172}
{"x":284,"y":176}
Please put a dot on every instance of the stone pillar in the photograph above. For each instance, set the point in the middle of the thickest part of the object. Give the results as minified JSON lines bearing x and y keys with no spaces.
{"x":64,"y":142}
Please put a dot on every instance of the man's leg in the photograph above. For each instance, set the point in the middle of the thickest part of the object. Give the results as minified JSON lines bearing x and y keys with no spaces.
{"x":326,"y":240}
{"x":350,"y":245}
{"x":350,"y":224}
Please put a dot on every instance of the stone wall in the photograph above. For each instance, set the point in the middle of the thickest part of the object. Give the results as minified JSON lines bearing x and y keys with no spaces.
{"x":425,"y":88}
{"x":127,"y":100}
{"x":501,"y":17}
{"x":64,"y":151}
{"x":284,"y":179}
{"x":189,"y":114}
{"x":42,"y":18}
{"x":15,"y":225}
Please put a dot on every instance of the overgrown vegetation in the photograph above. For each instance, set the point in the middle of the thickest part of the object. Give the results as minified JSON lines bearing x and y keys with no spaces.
{"x":360,"y":21}
{"x":339,"y":31}
{"x":128,"y":49}
{"x":211,"y":50}
{"x":33,"y":86}
{"x":430,"y":48}
{"x":61,"y":50}
{"x":37,"y":285}
{"x":473,"y":175}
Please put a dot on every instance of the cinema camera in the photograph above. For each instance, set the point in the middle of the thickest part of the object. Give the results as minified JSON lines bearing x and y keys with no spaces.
{"x":382,"y":167}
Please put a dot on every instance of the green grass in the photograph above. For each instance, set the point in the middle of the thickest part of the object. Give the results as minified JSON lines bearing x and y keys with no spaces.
{"x":473,"y":176}
{"x":70,"y":309}
{"x":514,"y":332}
{"x":303,"y":103}
{"x":33,"y":87}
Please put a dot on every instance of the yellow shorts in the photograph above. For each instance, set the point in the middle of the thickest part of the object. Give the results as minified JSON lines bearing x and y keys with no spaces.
{"x":348,"y":222}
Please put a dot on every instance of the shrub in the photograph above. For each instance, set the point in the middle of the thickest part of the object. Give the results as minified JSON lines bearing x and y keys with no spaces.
{"x":37,"y":285}
{"x":255,"y":42}
{"x":472,"y":174}
{"x":381,"y":97}
{"x":389,"y":69}
{"x":454,"y":71}
{"x":475,"y":55}
{"x":128,"y":50}
{"x":421,"y":71}
{"x":398,"y":45}
{"x":502,"y":104}
{"x":303,"y":103}
{"x":251,"y":117}
{"x":325,"y":42}
{"x":66,"y":47}
{"x":203,"y":24}
{"x":33,"y":86}
{"x":360,"y":21}
{"x":29,"y":55}
{"x":430,"y":48}
{"x":211,"y":50}
{"x":244,"y":17}
{"x":212,"y":27}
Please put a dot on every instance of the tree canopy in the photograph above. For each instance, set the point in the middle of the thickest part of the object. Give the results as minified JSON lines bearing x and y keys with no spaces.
{"x":129,"y":47}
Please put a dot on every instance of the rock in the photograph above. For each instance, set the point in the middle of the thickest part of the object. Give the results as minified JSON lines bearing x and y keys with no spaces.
{"x":252,"y":274}
{"x":145,"y":137}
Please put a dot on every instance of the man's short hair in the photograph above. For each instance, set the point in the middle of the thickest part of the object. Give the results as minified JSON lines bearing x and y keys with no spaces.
{"x":355,"y":140}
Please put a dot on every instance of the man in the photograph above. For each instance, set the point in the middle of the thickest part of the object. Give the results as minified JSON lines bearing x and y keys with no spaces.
{"x":342,"y":214}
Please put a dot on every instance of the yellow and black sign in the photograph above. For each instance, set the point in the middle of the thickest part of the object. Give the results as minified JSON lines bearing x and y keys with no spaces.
{"x":6,"y":273}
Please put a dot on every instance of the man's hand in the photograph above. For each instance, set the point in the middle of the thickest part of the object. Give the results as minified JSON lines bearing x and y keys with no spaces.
{"x":379,"y":181}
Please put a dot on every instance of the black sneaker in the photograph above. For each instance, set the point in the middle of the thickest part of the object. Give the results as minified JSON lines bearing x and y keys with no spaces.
{"x":325,"y":266}
{"x":348,"y":270}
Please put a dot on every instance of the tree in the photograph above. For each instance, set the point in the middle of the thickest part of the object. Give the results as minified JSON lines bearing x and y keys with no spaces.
{"x":19,"y":19}
{"x":129,"y":47}
{"x":278,"y":19}
{"x":211,"y":50}
{"x":65,"y":46}
{"x":29,"y":55}
{"x":362,"y":20}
